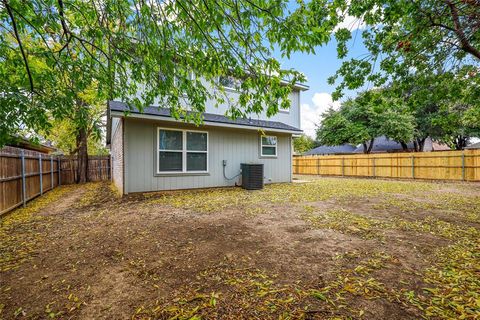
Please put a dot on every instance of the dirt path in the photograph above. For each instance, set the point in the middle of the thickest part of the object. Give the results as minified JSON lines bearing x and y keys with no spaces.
{"x":332,"y":249}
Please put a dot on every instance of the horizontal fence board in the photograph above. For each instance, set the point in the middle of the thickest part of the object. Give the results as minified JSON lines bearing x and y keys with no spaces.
{"x":11,"y":177}
{"x":442,"y":165}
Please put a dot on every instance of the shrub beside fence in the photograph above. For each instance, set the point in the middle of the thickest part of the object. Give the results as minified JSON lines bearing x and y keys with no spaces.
{"x":26,"y":174}
{"x":444,"y":165}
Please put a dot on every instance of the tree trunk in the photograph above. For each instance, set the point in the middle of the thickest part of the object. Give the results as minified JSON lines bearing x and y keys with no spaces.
{"x":404,"y":146}
{"x":420,"y":144}
{"x":365,"y":148}
{"x":82,"y":156}
{"x":460,"y":142}
{"x":370,"y":147}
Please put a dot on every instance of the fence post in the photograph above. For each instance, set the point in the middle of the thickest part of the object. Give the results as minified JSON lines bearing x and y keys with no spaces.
{"x":40,"y":172}
{"x":51,"y":172}
{"x":24,"y":187}
{"x":110,"y":158}
{"x":413,"y":167}
{"x":343,"y":166}
{"x":374,"y":173}
{"x":318,"y":166}
{"x":463,"y":165}
{"x":59,"y":169}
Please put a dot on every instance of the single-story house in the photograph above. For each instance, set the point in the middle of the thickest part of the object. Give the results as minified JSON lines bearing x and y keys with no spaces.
{"x":327,"y":150}
{"x":27,"y":144}
{"x":473,"y":146}
{"x":152,"y":151}
{"x":383,"y":144}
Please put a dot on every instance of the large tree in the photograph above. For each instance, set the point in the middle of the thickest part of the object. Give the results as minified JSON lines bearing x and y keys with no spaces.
{"x":303,"y":144}
{"x":52,"y":51}
{"x":362,"y":119}
{"x":445,"y":105}
{"x":426,"y":36}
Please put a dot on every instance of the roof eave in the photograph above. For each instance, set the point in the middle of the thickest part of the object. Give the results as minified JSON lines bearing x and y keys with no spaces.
{"x":115,"y":113}
{"x":298,"y":86}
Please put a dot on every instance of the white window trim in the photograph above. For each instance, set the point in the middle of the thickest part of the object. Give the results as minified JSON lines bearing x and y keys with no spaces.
{"x":175,"y":79}
{"x":267,"y":145}
{"x":281,"y":110}
{"x":184,"y":152}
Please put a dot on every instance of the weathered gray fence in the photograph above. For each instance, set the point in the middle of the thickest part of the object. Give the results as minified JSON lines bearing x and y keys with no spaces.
{"x":26,"y":174}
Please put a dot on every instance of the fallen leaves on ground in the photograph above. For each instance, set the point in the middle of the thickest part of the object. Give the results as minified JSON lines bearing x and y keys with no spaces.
{"x":19,"y":231}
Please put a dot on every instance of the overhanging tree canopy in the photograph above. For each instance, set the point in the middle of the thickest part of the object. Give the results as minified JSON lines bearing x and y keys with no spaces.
{"x":401,"y":36}
{"x":53,"y":50}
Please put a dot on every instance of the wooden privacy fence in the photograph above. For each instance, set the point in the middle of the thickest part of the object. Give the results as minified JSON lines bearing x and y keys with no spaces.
{"x":98,"y":169}
{"x":444,"y":165}
{"x":25,"y":174}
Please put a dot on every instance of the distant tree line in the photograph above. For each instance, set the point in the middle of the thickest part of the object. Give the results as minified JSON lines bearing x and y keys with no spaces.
{"x":444,"y":107}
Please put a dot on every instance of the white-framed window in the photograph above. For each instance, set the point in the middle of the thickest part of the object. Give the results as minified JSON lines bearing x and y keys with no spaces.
{"x":182,"y":151}
{"x":162,"y":77}
{"x":268,"y":146}
{"x":176,"y":78}
{"x":229,"y":82}
{"x":281,"y":109}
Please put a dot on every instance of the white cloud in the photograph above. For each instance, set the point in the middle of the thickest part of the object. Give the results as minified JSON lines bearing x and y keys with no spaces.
{"x":351,"y":23}
{"x":311,"y":113}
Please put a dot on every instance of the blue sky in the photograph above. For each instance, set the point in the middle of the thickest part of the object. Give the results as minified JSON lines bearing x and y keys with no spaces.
{"x":318,"y":68}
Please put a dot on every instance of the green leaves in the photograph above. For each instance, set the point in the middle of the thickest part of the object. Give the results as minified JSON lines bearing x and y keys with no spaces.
{"x":303,"y":144}
{"x":371,"y":114}
{"x":342,"y":36}
{"x":427,"y":36}
{"x":121,"y":47}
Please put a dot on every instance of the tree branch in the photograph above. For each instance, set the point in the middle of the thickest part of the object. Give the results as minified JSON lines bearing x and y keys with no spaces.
{"x":466,"y":45}
{"x":17,"y":36}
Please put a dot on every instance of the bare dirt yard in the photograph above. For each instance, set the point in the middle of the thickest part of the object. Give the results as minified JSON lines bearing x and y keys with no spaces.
{"x":329,"y":248}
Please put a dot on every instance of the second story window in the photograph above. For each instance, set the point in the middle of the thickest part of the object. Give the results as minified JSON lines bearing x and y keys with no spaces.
{"x":229,"y":82}
{"x":175,"y":76}
{"x":282,"y":109}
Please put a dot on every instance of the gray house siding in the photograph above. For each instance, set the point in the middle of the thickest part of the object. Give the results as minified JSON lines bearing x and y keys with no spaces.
{"x":234,"y":145}
{"x":290,"y":117}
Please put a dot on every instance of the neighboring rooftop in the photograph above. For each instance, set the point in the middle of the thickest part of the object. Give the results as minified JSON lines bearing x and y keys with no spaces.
{"x":384,"y":144}
{"x":474,"y":146}
{"x":26,"y":144}
{"x":324,"y":150}
{"x":117,"y":106}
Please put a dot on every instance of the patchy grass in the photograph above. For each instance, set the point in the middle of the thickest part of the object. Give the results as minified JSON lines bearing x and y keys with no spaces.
{"x":452,"y":203}
{"x":18,"y":232}
{"x":328,"y":249}
{"x":454,"y":281}
{"x":218,"y":199}
{"x":345,"y":222}
{"x":255,"y":294}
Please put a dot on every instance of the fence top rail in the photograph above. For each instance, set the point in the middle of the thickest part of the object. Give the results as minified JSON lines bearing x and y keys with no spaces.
{"x":93,"y":157}
{"x":399,"y":156}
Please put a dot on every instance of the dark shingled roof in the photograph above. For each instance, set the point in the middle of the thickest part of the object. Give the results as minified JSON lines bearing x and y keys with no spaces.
{"x":343,"y":149}
{"x":209,"y":117}
{"x":474,"y":146}
{"x":384,"y":144}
